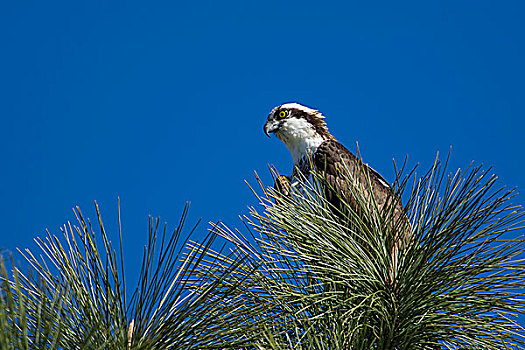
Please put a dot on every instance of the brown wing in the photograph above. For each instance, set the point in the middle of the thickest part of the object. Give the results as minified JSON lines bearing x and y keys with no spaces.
{"x":334,"y":160}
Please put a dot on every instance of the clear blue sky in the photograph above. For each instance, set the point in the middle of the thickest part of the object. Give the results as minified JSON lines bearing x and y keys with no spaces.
{"x":163,"y":102}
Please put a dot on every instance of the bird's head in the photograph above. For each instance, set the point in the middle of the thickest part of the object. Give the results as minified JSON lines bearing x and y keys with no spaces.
{"x":300,"y":128}
{"x":291,"y":122}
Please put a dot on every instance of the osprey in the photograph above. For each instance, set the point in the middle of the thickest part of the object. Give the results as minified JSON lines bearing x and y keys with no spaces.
{"x":304,"y":132}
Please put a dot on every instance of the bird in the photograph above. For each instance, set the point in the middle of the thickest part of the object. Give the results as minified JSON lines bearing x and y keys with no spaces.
{"x":304,"y":132}
{"x":313,"y":148}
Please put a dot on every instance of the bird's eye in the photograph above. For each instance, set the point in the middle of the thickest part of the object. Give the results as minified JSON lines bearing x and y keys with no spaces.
{"x":282,"y":114}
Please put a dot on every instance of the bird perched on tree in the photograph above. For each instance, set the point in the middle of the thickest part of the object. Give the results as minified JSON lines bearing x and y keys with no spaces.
{"x":304,"y":132}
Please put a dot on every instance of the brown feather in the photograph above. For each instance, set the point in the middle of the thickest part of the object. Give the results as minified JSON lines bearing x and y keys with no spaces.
{"x":336,"y":162}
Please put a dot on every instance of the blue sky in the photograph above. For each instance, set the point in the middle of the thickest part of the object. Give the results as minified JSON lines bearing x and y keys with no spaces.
{"x":163,"y":102}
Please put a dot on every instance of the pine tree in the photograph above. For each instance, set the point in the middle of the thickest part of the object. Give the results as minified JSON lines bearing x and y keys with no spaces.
{"x":304,"y":275}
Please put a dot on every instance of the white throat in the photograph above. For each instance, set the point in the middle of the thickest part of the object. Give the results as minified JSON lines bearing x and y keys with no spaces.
{"x":300,"y":138}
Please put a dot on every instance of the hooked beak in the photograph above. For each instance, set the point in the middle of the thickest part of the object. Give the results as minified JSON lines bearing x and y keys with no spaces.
{"x":271,"y":126}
